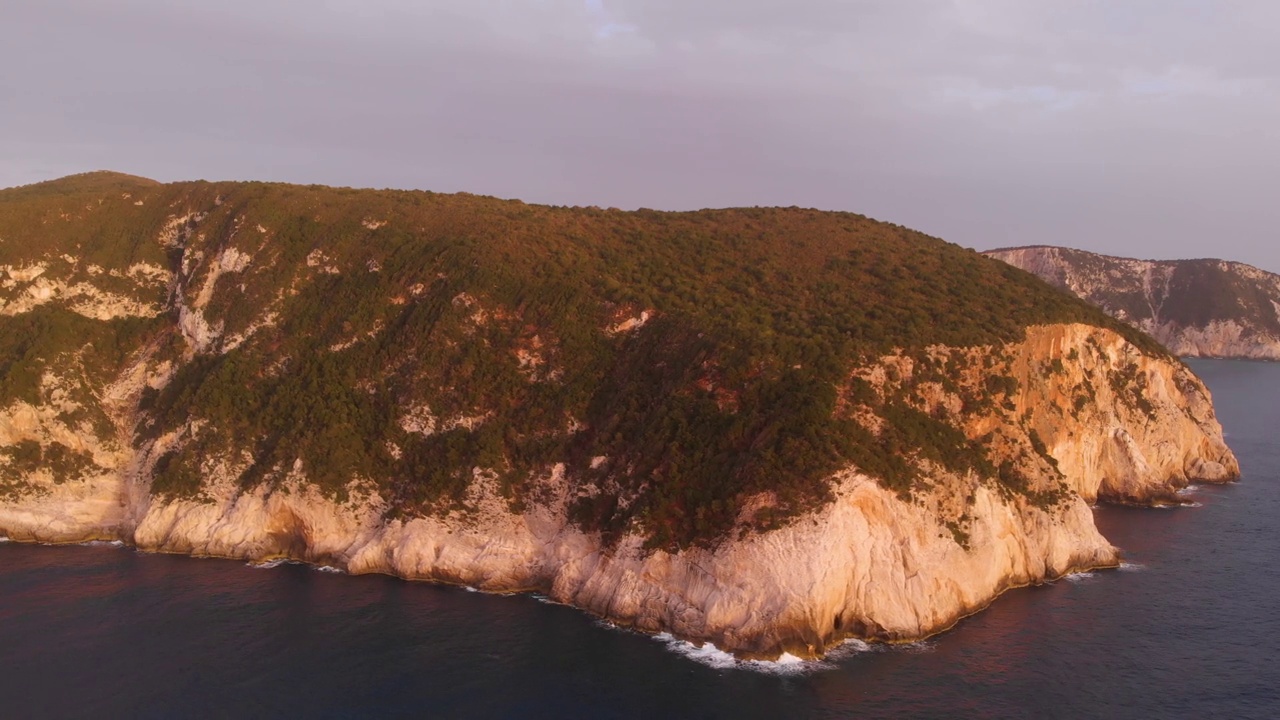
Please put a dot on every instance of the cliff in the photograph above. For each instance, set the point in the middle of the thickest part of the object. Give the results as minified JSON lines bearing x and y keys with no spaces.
{"x":257,"y":372}
{"x":1196,"y":308}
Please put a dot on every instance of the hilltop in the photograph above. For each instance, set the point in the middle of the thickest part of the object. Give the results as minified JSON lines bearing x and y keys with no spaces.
{"x":92,"y":183}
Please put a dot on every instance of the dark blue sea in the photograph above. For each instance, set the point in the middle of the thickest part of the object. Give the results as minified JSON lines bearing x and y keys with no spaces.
{"x":1189,"y":628}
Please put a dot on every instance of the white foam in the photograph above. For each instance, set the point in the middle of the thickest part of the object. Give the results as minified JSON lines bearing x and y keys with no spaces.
{"x":786,"y":664}
{"x":849,"y":648}
{"x":4,"y":539}
{"x":1190,"y":489}
{"x":922,"y":646}
{"x":468,"y":588}
{"x":329,"y":569}
{"x":268,"y":564}
{"x":103,"y":543}
{"x":854,"y":644}
{"x":1132,"y":567}
{"x":1079,"y":576}
{"x":707,"y":653}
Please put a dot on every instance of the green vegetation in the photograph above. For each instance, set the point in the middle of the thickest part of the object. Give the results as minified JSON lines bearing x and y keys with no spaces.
{"x":51,"y":336}
{"x":28,"y":456}
{"x":1014,"y":481}
{"x":958,"y":533}
{"x":383,"y":302}
{"x":1204,"y":291}
{"x":1130,"y":384}
{"x":910,"y":432}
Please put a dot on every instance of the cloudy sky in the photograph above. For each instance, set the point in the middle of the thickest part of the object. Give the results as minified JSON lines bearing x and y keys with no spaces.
{"x":1134,"y":127}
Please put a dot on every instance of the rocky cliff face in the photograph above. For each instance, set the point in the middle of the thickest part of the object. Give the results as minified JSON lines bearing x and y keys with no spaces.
{"x":218,"y":386}
{"x":871,"y":563}
{"x":1197,"y":308}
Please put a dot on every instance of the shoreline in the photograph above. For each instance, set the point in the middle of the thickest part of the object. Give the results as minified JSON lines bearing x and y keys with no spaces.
{"x":543,"y":594}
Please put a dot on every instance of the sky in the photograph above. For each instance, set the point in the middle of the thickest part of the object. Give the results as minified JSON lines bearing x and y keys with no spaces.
{"x":1146,"y":128}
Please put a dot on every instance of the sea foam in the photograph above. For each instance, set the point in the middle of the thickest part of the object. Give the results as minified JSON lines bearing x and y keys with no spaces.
{"x":787,"y":664}
{"x":103,"y":543}
{"x":270,"y":564}
{"x":1175,"y":506}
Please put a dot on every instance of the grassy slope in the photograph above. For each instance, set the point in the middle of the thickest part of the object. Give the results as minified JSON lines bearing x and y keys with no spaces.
{"x":759,"y":314}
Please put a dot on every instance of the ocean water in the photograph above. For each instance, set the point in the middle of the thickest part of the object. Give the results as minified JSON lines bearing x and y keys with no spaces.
{"x":1188,"y":628}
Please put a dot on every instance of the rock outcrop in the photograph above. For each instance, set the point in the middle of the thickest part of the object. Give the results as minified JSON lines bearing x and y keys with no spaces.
{"x":1196,"y":308}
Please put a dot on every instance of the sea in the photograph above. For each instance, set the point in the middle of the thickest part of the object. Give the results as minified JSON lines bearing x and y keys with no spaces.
{"x":1188,"y":627}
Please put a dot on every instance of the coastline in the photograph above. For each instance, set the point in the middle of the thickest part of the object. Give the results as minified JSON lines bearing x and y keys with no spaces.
{"x":807,"y":652}
{"x":872,"y":564}
{"x":796,"y":652}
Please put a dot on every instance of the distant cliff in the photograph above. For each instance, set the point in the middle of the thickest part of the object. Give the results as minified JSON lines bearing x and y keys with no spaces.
{"x":1197,"y":308}
{"x":770,"y":429}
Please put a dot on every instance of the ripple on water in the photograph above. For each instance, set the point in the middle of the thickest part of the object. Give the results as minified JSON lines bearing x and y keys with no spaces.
{"x":1102,"y":648}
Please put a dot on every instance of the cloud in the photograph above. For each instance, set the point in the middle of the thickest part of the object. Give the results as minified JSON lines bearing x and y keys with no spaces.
{"x":1142,"y":127}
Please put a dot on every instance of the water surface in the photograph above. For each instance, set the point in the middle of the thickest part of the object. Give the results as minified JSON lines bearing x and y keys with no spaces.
{"x":1189,"y":628}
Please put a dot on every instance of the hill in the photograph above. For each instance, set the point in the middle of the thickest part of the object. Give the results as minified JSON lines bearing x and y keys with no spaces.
{"x":1197,"y":308}
{"x":90,"y":183}
{"x":595,"y":403}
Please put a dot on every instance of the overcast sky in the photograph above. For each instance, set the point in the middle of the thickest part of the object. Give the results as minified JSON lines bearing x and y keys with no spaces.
{"x":1132,"y":127}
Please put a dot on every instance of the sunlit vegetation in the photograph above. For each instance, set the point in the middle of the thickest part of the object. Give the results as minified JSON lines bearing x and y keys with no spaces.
{"x":385,"y":301}
{"x":25,"y":457}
